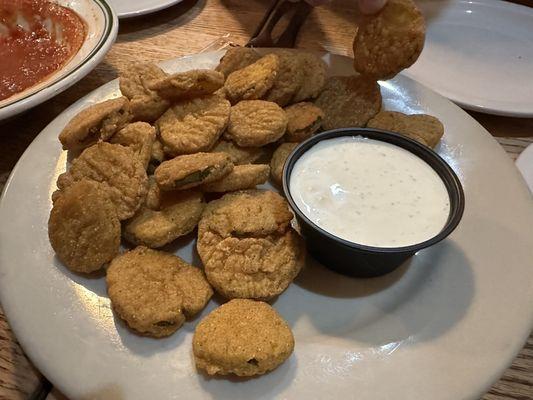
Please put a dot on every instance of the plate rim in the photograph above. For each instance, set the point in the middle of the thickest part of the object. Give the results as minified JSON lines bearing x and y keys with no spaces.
{"x":84,"y":66}
{"x":149,"y":10}
{"x":490,"y":380}
{"x":474,"y":106}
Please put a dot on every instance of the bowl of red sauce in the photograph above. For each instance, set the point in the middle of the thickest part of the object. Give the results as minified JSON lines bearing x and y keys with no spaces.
{"x":47,"y":46}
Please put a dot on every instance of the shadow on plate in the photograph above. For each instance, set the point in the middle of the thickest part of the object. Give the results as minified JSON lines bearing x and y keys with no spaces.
{"x":94,"y":282}
{"x":422,"y":299}
{"x":270,"y":385}
{"x":185,"y":247}
{"x":146,"y":346}
{"x":158,"y":23}
{"x":318,"y":279}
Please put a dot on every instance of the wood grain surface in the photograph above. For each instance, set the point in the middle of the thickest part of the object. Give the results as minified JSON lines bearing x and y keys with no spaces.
{"x":190,"y":27}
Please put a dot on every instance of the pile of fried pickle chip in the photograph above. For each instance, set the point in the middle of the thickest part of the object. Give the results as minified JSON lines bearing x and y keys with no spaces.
{"x":184,"y":152}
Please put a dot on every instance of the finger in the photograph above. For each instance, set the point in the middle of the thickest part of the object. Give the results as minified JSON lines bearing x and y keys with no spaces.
{"x":371,"y":6}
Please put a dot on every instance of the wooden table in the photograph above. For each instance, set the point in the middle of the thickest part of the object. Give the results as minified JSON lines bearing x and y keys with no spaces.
{"x":187,"y":28}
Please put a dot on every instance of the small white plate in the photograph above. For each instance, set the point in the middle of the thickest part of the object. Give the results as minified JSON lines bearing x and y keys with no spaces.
{"x":479,"y":54}
{"x":102,"y":28}
{"x":442,"y":327}
{"x":135,"y":8}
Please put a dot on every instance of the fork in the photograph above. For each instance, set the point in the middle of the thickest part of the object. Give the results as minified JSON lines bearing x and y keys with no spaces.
{"x":298,"y":11}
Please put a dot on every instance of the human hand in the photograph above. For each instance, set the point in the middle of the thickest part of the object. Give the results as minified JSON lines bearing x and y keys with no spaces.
{"x":365,"y":6}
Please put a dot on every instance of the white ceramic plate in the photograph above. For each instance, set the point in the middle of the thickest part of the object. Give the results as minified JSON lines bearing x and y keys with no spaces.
{"x":443,"y":326}
{"x":102,"y":28}
{"x":524,"y":163}
{"x":136,"y":8}
{"x":479,"y":54}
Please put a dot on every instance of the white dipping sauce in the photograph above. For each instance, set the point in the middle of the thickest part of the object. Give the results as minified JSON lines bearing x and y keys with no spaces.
{"x":370,"y":192}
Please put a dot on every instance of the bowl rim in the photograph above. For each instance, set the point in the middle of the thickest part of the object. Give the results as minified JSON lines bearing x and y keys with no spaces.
{"x":65,"y":80}
{"x":439,"y":165}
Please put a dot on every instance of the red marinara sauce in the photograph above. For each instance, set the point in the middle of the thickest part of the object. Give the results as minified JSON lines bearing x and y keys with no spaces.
{"x":37,"y":37}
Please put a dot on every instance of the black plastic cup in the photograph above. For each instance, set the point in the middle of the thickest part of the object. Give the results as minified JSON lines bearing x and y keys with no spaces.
{"x":358,"y":260}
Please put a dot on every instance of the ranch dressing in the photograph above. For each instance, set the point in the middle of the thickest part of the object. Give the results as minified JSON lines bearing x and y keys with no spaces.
{"x":370,"y":192}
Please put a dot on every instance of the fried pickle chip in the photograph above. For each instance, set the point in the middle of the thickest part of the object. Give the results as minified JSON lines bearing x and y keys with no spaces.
{"x":390,"y":40}
{"x":242,"y":177}
{"x":239,"y":155}
{"x":193,"y":125}
{"x":178,"y":215}
{"x":278,"y":161}
{"x":349,"y":101}
{"x":189,"y":84}
{"x":118,"y":169}
{"x":314,"y":77}
{"x":158,"y":155}
{"x":192,"y":170}
{"x":253,"y":81}
{"x":424,"y":128}
{"x":255,"y":123}
{"x":242,"y":337}
{"x":153,"y":196}
{"x":247,"y":246}
{"x":152,"y":290}
{"x":83,"y":228}
{"x":237,"y":58}
{"x":221,"y":92}
{"x":97,"y":122}
{"x":139,"y":137}
{"x":304,"y":120}
{"x":146,"y":104}
{"x":289,"y":79}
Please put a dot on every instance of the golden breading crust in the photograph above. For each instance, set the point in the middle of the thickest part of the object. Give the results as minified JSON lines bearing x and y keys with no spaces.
{"x":253,"y":81}
{"x":153,"y":196}
{"x":424,"y":128}
{"x":178,"y":217}
{"x":242,"y":337}
{"x":255,"y":123}
{"x":139,"y":137}
{"x":192,"y":170}
{"x":83,"y":228}
{"x":304,"y":120}
{"x":118,"y":169}
{"x":158,"y":155}
{"x":189,"y":84}
{"x":97,"y":122}
{"x":237,"y":58}
{"x":193,"y":125}
{"x":152,"y":290}
{"x":221,"y":92}
{"x":314,"y":77}
{"x":247,"y":246}
{"x":349,"y":101}
{"x":390,"y":40}
{"x":242,"y":177}
{"x":278,"y":161}
{"x":289,"y":79}
{"x":146,"y":104}
{"x":248,"y":213}
{"x":240,"y":155}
